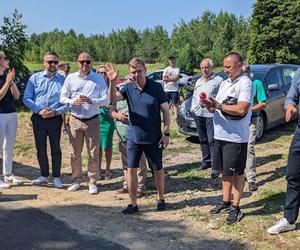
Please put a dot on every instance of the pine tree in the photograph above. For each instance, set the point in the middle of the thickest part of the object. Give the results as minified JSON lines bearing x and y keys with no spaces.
{"x":14,"y":42}
{"x":275,"y":32}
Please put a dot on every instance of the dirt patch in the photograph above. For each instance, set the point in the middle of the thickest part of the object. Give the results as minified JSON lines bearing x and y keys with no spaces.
{"x":186,"y":223}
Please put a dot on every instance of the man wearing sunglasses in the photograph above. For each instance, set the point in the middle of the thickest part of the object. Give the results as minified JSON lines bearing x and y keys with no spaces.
{"x":85,"y":91}
{"x":42,"y":97}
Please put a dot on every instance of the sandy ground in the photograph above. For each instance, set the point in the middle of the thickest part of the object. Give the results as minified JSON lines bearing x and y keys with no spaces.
{"x":100,"y":215}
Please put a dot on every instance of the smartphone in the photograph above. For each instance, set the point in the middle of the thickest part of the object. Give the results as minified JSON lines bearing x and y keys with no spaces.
{"x":161,"y":145}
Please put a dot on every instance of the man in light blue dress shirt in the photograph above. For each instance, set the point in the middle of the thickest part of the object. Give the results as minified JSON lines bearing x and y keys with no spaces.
{"x":42,"y":97}
{"x":84,"y":91}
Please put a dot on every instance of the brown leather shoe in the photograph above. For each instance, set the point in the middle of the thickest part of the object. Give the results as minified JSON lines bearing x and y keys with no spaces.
{"x":140,"y":194}
{"x":122,"y":191}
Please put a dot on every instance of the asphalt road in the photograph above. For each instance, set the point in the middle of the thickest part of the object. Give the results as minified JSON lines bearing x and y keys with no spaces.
{"x":28,"y":228}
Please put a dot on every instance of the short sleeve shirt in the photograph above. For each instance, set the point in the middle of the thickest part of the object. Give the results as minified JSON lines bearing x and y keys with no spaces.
{"x":259,"y":95}
{"x":144,"y":111}
{"x":234,"y":130}
{"x":171,"y":86}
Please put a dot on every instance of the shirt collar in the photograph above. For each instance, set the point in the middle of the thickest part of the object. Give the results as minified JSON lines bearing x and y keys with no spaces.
{"x":236,"y":79}
{"x":135,"y":86}
{"x":78,"y":74}
{"x":45,"y":74}
{"x":210,"y":78}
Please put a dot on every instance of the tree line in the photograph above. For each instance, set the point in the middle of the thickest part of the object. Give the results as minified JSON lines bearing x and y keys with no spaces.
{"x":271,"y":35}
{"x":209,"y":35}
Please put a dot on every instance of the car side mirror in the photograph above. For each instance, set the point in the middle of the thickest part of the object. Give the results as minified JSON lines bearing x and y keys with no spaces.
{"x":273,"y":87}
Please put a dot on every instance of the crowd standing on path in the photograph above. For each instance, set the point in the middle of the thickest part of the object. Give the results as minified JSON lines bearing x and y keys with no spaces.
{"x":226,"y":119}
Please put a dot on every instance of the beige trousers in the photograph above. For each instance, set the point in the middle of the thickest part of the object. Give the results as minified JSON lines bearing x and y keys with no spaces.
{"x":87,"y":131}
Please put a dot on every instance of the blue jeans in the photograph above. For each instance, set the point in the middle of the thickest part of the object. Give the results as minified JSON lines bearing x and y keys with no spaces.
{"x":205,"y":128}
{"x":292,"y":200}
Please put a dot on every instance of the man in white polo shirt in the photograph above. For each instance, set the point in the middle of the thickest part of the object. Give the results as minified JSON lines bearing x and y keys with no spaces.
{"x":232,"y":113}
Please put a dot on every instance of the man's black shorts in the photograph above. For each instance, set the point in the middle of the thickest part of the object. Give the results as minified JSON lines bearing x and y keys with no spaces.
{"x":173,"y":97}
{"x":152,"y":152}
{"x":230,"y":157}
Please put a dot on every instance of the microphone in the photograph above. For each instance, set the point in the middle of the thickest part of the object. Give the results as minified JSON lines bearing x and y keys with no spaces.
{"x":202,"y":96}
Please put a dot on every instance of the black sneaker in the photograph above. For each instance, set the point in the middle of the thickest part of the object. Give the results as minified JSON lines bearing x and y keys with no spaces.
{"x":234,"y":216}
{"x":203,"y":166}
{"x":223,"y":207}
{"x":252,"y":186}
{"x":161,"y":205}
{"x":130,"y":209}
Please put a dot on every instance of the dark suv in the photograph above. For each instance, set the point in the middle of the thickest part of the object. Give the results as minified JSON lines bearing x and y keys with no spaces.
{"x":276,"y":78}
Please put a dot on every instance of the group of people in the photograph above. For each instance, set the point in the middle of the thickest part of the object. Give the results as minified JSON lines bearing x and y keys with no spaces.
{"x":81,"y":101}
{"x":225,"y":118}
{"x":227,"y":142}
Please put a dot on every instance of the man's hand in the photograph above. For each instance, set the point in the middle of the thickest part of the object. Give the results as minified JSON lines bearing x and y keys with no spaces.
{"x":42,"y":111}
{"x":290,"y":111}
{"x":47,"y":113}
{"x":164,"y":141}
{"x":82,"y":100}
{"x":122,"y":117}
{"x":112,"y":73}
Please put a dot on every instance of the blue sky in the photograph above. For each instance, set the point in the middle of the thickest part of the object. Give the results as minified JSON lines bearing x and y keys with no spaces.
{"x":98,"y":17}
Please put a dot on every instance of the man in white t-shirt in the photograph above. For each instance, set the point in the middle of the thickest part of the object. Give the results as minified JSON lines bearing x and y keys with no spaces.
{"x":232,"y":113}
{"x":171,"y":75}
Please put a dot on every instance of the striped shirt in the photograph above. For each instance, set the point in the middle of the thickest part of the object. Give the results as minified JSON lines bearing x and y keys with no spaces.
{"x":211,"y":88}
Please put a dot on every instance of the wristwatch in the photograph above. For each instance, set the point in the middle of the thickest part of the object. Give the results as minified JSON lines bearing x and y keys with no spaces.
{"x":166,"y":134}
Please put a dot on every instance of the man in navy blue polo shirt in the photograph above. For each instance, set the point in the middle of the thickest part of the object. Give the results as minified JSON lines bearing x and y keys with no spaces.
{"x":146,"y":99}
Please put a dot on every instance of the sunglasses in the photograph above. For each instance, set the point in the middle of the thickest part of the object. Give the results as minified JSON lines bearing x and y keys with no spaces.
{"x":85,"y":61}
{"x":52,"y":62}
{"x":102,"y":73}
{"x":5,"y":58}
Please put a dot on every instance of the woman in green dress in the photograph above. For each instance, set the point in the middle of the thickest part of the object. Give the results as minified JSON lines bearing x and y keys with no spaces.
{"x":107,"y":127}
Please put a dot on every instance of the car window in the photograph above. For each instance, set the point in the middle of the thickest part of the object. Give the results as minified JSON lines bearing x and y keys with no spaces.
{"x":275,"y":78}
{"x":155,"y":76}
{"x":288,"y":74}
{"x":259,"y":75}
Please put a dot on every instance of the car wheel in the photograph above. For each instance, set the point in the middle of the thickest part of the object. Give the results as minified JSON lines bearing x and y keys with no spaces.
{"x":260,"y":127}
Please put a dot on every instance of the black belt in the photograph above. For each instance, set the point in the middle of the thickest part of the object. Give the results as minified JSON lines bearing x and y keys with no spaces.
{"x":86,"y":119}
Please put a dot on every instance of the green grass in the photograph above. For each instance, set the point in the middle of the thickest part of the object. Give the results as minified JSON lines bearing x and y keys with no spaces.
{"x":199,"y":216}
{"x":23,"y":148}
{"x":188,"y":170}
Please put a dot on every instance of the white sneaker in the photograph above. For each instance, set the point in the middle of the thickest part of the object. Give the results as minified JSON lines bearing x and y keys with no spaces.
{"x":281,"y":226}
{"x":13,"y":179}
{"x":4,"y":185}
{"x":40,"y":181}
{"x":57,"y":182}
{"x":74,"y":186}
{"x":93,"y":189}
